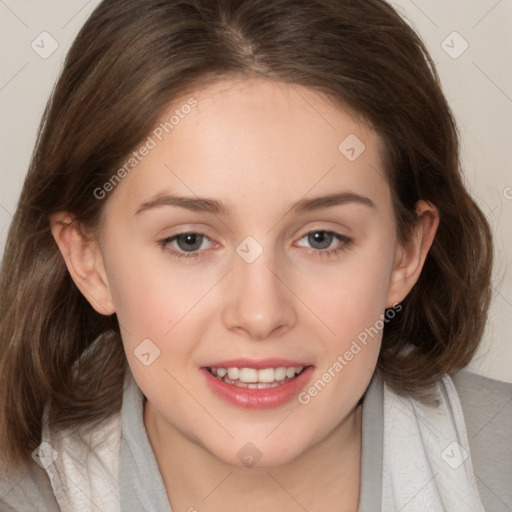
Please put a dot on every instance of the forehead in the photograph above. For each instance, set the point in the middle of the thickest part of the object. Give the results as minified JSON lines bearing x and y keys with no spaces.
{"x":256,"y":139}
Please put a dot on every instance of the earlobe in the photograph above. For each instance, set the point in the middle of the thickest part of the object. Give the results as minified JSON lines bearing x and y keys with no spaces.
{"x":84,"y":261}
{"x":410,"y":257}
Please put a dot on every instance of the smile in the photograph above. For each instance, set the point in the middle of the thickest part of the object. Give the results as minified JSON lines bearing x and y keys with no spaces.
{"x":252,"y":378}
{"x":257,"y":388}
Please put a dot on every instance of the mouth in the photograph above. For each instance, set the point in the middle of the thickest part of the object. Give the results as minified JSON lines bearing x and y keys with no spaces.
{"x":257,"y":385}
{"x":252,"y":378}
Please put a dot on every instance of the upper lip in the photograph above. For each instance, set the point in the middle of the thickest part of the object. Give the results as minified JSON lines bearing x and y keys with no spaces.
{"x":259,"y":364}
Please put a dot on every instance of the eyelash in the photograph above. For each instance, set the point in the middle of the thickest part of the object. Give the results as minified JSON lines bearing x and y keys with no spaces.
{"x":322,"y":253}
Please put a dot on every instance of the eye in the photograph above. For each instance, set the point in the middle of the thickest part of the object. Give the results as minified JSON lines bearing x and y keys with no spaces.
{"x":321,"y":240}
{"x":188,"y":244}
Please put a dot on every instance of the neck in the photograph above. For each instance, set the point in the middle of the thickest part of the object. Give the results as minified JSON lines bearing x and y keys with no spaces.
{"x":325,"y":477}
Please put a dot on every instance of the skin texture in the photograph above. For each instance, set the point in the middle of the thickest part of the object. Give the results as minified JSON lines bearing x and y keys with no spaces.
{"x":259,"y":146}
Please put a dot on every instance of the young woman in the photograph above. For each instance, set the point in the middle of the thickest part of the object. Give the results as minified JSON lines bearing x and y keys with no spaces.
{"x":244,"y":270}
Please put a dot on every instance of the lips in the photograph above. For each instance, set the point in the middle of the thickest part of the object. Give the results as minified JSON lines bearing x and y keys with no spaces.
{"x":257,"y":364}
{"x":251,"y":390}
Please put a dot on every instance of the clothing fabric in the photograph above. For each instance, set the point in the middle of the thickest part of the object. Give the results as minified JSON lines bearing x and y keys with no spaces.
{"x":426,"y":461}
{"x":84,"y":475}
{"x":113,"y":468}
{"x":427,"y":464}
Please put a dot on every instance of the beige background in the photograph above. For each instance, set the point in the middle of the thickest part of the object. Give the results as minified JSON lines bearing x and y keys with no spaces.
{"x":477,"y":82}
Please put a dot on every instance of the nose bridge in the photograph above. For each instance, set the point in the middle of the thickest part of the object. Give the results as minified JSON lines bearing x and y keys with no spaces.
{"x":259,"y":302}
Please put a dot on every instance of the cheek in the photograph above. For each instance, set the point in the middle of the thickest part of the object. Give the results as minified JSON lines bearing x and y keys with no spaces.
{"x":153,"y":307}
{"x":352,"y":296}
{"x":351,"y":302}
{"x":152,"y":293}
{"x":352,"y":306}
{"x":160,"y":301}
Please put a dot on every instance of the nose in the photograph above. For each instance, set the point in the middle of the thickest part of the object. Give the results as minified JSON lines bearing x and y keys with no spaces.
{"x":259,"y":300}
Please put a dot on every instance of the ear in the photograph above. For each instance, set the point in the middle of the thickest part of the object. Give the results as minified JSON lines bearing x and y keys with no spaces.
{"x":410,"y":257}
{"x":84,"y":262}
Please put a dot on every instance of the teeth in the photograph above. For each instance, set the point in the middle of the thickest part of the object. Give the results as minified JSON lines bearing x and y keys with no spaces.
{"x":248,"y":375}
{"x":233,"y":373}
{"x":253,"y":378}
{"x":280,"y":373}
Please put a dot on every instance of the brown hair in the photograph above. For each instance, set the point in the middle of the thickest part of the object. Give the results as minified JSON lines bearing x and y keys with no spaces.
{"x":129,"y":61}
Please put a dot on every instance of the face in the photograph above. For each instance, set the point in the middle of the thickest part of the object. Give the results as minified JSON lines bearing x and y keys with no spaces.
{"x":263,"y":275}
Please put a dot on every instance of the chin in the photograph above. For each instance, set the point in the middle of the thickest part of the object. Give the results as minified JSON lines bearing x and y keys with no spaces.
{"x":258,"y":452}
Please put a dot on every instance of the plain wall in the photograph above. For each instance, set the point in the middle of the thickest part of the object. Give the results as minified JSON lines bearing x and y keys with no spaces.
{"x":477,"y":83}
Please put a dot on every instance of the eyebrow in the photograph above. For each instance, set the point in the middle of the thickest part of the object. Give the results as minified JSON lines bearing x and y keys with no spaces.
{"x":202,"y":204}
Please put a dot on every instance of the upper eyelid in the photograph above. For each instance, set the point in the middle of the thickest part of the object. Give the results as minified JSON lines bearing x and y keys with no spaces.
{"x":339,"y":236}
{"x":202,"y":233}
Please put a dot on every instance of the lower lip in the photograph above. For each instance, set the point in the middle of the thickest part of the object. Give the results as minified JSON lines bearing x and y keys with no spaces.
{"x":258,"y":398}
